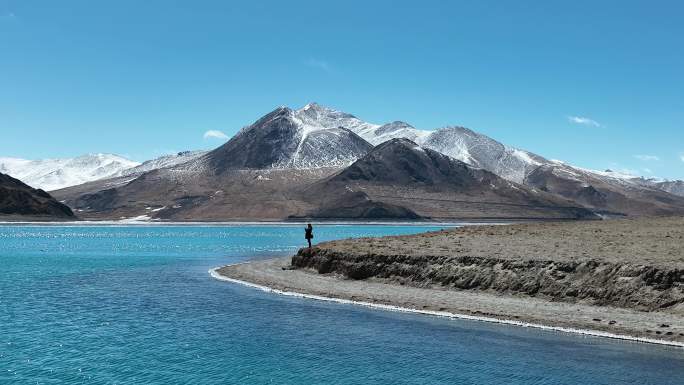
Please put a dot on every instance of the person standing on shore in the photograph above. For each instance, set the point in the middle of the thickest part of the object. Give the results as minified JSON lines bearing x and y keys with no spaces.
{"x":308,"y":233}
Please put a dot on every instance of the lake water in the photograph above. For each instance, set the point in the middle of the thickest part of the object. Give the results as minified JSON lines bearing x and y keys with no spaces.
{"x":135,"y":304}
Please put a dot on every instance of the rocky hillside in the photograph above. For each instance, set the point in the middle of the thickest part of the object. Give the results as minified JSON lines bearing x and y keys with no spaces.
{"x":415,"y":181}
{"x":18,"y":200}
{"x":675,"y":187}
{"x":603,"y":193}
{"x":622,"y":263}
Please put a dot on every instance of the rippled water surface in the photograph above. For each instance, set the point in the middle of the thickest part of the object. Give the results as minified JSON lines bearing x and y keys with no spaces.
{"x":122,"y":305}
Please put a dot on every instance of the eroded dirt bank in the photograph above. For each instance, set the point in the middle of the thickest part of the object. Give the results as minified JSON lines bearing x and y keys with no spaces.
{"x":634,"y":264}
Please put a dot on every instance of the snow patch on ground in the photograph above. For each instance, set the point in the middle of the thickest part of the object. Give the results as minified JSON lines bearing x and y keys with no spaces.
{"x":139,"y":218}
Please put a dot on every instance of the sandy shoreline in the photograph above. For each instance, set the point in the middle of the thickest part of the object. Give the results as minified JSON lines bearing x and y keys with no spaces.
{"x":603,"y":321}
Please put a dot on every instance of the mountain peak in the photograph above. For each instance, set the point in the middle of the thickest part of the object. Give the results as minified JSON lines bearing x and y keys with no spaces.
{"x":397,"y":126}
{"x":316,"y":110}
{"x":399,"y":142}
{"x":279,"y":113}
{"x":312,"y":106}
{"x":403,"y":146}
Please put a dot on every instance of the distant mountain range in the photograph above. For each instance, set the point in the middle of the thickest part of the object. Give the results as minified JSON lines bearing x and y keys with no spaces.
{"x":675,"y":187}
{"x":322,"y":163}
{"x":53,"y":174}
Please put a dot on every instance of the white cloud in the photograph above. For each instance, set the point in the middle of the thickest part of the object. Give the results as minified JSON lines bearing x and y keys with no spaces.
{"x":681,"y":157}
{"x":647,"y":158}
{"x":316,"y":63}
{"x":647,"y":170}
{"x":584,"y":121}
{"x":215,"y":134}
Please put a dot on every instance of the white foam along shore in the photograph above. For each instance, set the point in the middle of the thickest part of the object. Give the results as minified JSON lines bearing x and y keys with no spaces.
{"x":595,"y":333}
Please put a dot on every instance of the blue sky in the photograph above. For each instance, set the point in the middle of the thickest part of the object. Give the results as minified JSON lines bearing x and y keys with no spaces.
{"x":599,"y":84}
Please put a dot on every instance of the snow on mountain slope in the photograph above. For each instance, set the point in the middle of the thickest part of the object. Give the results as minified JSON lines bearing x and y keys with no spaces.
{"x":482,"y":151}
{"x":396,"y":130}
{"x":315,"y":115}
{"x":333,"y":147}
{"x":163,"y":161}
{"x":675,"y":187}
{"x":621,"y":179}
{"x":53,"y":174}
{"x":286,"y":138}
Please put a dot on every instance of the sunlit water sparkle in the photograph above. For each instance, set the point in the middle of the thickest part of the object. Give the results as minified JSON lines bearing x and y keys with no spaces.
{"x":135,"y":304}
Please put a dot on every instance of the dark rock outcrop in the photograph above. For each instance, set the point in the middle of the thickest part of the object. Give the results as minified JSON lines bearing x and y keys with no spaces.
{"x":20,"y":200}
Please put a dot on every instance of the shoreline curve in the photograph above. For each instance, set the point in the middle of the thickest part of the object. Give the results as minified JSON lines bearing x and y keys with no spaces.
{"x":435,"y":313}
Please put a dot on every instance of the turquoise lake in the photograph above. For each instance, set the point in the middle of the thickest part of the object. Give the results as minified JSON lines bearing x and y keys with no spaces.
{"x":136,"y":305}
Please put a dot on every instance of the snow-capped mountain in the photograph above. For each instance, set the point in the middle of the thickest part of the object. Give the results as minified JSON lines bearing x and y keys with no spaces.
{"x":457,"y":142}
{"x":603,"y":190}
{"x":53,"y":174}
{"x":291,"y":139}
{"x":460,"y":143}
{"x":316,"y":136}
